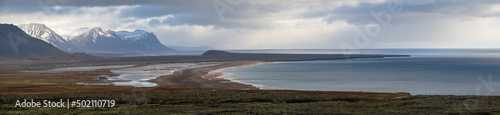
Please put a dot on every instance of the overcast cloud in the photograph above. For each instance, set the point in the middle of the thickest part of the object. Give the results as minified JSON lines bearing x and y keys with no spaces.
{"x":284,"y":24}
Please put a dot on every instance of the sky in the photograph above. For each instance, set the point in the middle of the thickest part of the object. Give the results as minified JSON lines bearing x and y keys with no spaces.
{"x":277,"y":24}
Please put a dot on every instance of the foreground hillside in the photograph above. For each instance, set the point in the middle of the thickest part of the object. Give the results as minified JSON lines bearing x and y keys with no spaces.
{"x":16,"y":85}
{"x":256,"y":102}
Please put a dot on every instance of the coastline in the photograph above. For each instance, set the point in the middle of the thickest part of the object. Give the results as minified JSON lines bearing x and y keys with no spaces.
{"x":207,"y":77}
{"x":218,"y":74}
{"x":193,"y":75}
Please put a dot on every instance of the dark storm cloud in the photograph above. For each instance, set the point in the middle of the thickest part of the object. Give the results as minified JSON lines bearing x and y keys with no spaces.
{"x":204,"y":13}
{"x":444,"y":8}
{"x":421,"y":21}
{"x":19,"y":6}
{"x":154,"y":22}
{"x":29,"y":6}
{"x":192,"y":16}
{"x":244,"y":14}
{"x":186,"y":12}
{"x":354,"y":15}
{"x":172,"y":3}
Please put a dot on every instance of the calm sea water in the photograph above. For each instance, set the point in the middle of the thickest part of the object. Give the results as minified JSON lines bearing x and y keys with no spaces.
{"x":428,"y":71}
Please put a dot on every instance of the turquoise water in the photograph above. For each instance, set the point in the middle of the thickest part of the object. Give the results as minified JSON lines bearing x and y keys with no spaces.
{"x":443,"y":72}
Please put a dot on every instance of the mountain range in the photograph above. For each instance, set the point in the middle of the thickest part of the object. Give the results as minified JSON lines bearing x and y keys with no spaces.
{"x":16,"y":44}
{"x":46,"y":34}
{"x":98,"y":40}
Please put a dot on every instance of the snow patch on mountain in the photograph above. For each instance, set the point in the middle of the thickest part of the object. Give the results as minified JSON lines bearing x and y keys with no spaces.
{"x":98,"y":40}
{"x":42,"y":32}
{"x":133,"y":36}
{"x":39,"y":31}
{"x":70,"y":34}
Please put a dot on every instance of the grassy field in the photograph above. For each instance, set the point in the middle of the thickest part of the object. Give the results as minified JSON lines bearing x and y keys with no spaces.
{"x":174,"y":100}
{"x":170,"y":100}
{"x":256,"y":102}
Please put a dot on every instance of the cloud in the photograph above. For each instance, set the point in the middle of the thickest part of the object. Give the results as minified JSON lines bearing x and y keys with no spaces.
{"x":273,"y":23}
{"x":154,"y":22}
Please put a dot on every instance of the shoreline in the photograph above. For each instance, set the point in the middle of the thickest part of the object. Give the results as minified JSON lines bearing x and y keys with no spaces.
{"x":207,"y":77}
{"x":185,"y":80}
{"x":217,"y":74}
{"x":191,"y":75}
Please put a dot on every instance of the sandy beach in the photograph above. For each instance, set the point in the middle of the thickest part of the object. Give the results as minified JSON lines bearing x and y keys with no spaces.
{"x":200,"y":77}
{"x":190,"y":75}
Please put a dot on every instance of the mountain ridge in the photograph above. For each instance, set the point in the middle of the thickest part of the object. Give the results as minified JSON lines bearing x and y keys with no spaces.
{"x":16,"y":44}
{"x":42,"y":32}
{"x":98,"y":40}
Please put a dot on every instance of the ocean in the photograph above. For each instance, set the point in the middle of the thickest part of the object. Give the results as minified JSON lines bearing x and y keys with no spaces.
{"x":427,"y":72}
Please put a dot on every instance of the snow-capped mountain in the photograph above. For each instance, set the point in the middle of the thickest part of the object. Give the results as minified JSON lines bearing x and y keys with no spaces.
{"x":142,"y":41}
{"x":31,"y":48}
{"x":98,"y":40}
{"x":42,"y":32}
{"x":70,"y":34}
